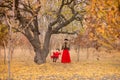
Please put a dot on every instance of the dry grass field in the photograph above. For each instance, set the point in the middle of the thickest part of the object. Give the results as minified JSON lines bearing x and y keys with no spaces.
{"x":23,"y":67}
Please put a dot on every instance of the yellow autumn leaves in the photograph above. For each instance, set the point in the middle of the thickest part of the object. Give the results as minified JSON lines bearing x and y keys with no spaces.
{"x":58,"y":71}
{"x":103,"y":16}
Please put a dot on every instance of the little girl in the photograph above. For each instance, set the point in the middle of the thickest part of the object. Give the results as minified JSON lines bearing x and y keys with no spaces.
{"x":55,"y":55}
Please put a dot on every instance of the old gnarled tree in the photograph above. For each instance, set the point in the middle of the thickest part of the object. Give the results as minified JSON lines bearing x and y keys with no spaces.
{"x":27,"y":16}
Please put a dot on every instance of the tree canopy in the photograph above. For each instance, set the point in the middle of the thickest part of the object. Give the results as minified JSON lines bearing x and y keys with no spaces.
{"x":102,"y":22}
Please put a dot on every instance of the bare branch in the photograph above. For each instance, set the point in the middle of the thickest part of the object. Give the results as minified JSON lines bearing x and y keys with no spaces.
{"x":67,"y":2}
{"x":38,"y":7}
{"x":53,"y":23}
{"x":26,"y":8}
{"x":66,"y":32}
{"x":7,"y":5}
{"x":60,"y":9}
{"x":8,"y":21}
{"x":28,"y":24}
{"x":55,"y":30}
{"x":18,"y":30}
{"x":64,"y":2}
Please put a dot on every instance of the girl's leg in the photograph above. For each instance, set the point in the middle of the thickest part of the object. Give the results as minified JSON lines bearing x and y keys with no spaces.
{"x":55,"y":59}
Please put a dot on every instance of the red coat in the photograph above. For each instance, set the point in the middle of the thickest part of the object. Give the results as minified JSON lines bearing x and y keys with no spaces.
{"x":55,"y":55}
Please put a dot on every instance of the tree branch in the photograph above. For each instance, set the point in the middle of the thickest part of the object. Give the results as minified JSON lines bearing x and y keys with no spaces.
{"x":67,"y":2}
{"x":55,"y":30}
{"x":8,"y":21}
{"x":66,"y":32}
{"x":26,"y":8}
{"x":7,"y":5}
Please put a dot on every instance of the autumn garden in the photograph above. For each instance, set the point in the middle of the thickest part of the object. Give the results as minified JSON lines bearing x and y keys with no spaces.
{"x":31,"y":30}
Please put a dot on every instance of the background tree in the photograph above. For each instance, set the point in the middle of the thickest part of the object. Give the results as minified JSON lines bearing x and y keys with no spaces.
{"x":4,"y":38}
{"x":102,"y":23}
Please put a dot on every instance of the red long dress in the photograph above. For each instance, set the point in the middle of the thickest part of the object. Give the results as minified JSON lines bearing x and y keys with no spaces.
{"x":65,"y":55}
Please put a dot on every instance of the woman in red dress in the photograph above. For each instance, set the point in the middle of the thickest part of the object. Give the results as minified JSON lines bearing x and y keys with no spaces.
{"x":65,"y":55}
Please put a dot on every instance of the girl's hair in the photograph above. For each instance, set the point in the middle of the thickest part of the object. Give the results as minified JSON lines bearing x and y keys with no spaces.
{"x":58,"y":49}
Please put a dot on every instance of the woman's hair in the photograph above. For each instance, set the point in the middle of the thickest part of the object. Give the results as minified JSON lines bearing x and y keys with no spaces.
{"x":66,"y":39}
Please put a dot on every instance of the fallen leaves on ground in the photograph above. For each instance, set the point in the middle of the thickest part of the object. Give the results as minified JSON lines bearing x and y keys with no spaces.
{"x":85,"y":70}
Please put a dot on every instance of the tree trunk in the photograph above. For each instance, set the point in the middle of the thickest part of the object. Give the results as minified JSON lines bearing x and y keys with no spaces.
{"x":87,"y":52}
{"x":37,"y":49}
{"x":41,"y":54}
{"x":12,"y":52}
{"x":35,"y":42}
{"x":38,"y":56}
{"x":78,"y":53}
{"x":45,"y":49}
{"x":4,"y":52}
